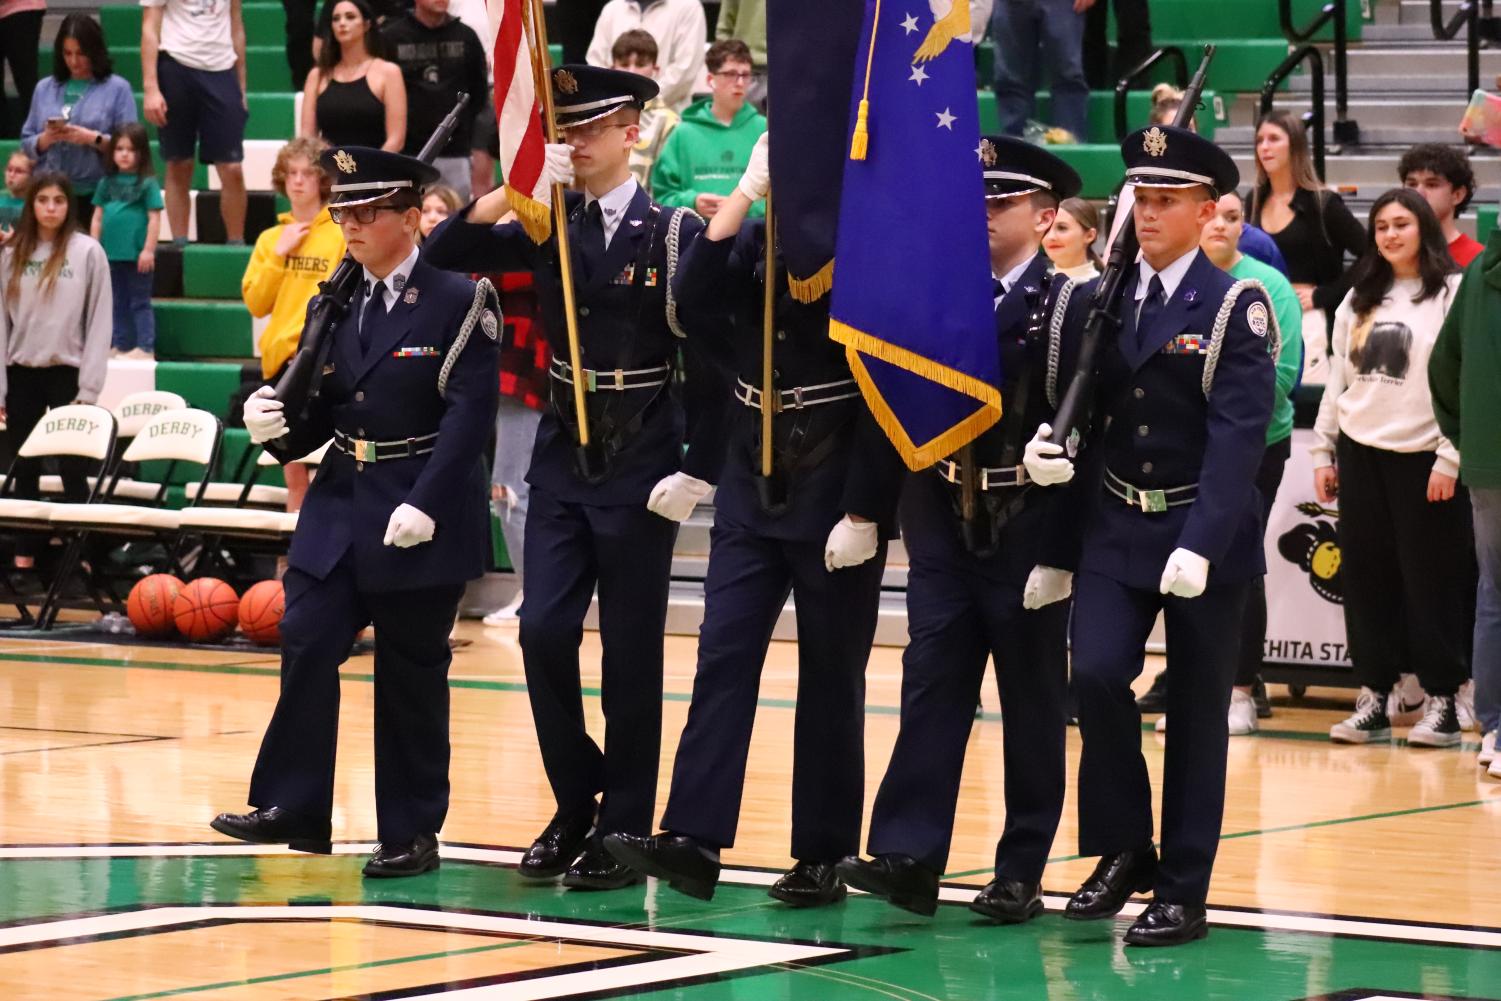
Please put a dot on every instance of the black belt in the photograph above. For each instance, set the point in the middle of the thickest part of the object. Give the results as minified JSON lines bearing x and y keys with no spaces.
{"x":362,"y":450}
{"x":1151,"y":501}
{"x":613,"y":380}
{"x":799,"y":397}
{"x":992,"y":478}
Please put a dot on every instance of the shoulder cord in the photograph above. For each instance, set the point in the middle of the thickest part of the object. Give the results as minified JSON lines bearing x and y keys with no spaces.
{"x":674,"y":241}
{"x":485,"y":299}
{"x":1222,"y":323}
{"x":1055,"y":340}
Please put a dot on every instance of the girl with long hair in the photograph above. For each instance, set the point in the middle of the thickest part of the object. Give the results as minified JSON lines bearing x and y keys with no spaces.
{"x":353,"y":97}
{"x":127,"y":222}
{"x":1070,"y":242}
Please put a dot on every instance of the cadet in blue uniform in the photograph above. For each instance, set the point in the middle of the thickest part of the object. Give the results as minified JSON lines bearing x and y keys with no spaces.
{"x":817,"y":528}
{"x":990,"y":585}
{"x":392,"y":527}
{"x":1183,"y":396}
{"x":606,"y":515}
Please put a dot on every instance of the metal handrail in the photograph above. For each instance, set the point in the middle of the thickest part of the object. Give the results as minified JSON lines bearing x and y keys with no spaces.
{"x":1346,"y":129}
{"x":1315,"y":117}
{"x":1469,"y":17}
{"x":1180,"y":64}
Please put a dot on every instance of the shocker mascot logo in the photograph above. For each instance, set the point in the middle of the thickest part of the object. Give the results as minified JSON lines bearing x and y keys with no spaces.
{"x":1314,"y":548}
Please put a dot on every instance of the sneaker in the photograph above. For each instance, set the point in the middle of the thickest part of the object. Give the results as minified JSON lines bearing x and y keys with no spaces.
{"x":1439,"y":726}
{"x":1154,"y":700}
{"x":1404,"y":706}
{"x":1487,"y":750}
{"x":1368,"y":724}
{"x":1263,"y":703}
{"x":506,"y":615}
{"x":1242,"y":713}
{"x":1464,"y":706}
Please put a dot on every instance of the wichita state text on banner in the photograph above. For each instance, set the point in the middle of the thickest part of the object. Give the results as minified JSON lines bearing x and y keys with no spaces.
{"x":519,"y":116}
{"x":912,"y":296}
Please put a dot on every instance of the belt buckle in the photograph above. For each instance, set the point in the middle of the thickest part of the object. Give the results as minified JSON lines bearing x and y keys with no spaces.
{"x":620,"y":380}
{"x":1152,"y":501}
{"x":591,"y":380}
{"x":984,"y":480}
{"x":364,"y":451}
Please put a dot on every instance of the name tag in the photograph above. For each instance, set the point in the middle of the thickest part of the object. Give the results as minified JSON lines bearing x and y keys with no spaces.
{"x":1186,"y":344}
{"x":415,"y":353}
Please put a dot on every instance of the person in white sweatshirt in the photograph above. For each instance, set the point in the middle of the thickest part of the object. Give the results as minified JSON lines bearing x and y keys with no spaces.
{"x":680,"y":30}
{"x":1407,"y":557}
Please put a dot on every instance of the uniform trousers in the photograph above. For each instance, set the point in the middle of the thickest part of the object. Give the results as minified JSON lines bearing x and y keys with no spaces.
{"x":295,"y":769}
{"x":1408,"y":569}
{"x":1253,"y":637}
{"x":1111,"y":623}
{"x":958,"y":619}
{"x":749,"y":578}
{"x":626,"y":551}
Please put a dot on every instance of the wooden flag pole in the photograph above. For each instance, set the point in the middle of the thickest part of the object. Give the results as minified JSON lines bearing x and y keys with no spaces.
{"x":770,"y":398}
{"x":542,"y":71}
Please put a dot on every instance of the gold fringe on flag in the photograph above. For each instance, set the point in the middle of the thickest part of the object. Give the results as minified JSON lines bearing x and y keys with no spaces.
{"x":814,"y":287}
{"x":535,"y":217}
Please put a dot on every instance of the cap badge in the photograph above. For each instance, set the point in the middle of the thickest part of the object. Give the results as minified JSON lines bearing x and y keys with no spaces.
{"x":988,"y":152}
{"x":344,"y":162}
{"x":566,"y":82}
{"x":1154,"y":142}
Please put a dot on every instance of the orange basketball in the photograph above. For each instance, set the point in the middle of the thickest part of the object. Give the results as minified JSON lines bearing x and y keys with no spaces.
{"x":206,"y":610}
{"x":260,"y":612}
{"x":150,"y":604}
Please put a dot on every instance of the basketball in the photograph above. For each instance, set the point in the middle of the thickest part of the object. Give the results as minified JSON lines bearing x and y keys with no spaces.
{"x":149,"y":606}
{"x":260,"y":613}
{"x":206,"y":610}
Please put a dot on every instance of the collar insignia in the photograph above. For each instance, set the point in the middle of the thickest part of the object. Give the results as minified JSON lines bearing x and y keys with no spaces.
{"x":410,"y":297}
{"x":1189,"y":295}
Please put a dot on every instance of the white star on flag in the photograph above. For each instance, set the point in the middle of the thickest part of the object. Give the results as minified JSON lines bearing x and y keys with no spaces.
{"x":910,"y":25}
{"x":980,"y":152}
{"x":918,"y":75}
{"x":946,"y":120}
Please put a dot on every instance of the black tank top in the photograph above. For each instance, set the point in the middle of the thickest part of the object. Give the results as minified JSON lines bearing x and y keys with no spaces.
{"x":349,"y":114}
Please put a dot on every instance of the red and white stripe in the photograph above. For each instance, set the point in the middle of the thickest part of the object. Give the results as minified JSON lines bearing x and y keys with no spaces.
{"x":517,"y":110}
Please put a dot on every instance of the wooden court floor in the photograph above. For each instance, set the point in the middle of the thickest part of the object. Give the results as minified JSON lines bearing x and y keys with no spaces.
{"x":1342,"y":869}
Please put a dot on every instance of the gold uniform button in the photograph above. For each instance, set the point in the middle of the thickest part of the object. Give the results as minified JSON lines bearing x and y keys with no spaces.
{"x":1143,"y":431}
{"x":1146,"y":467}
{"x":1139,"y":393}
{"x":583,"y":311}
{"x":359,"y":467}
{"x":781,"y":335}
{"x":359,"y":396}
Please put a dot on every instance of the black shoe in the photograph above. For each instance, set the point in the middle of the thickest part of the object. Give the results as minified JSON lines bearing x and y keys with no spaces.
{"x":900,"y":880}
{"x":411,"y":859}
{"x":1009,"y":901}
{"x":1168,"y":924}
{"x":1263,"y":703}
{"x":809,"y":884}
{"x":275,"y":826}
{"x":676,"y":859}
{"x":596,"y":870}
{"x":557,"y":846}
{"x":1155,"y":699}
{"x":1117,"y":876}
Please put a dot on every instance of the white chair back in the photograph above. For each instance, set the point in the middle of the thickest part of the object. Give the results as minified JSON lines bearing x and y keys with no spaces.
{"x":132,"y":413}
{"x":80,"y":429}
{"x":177,"y":435}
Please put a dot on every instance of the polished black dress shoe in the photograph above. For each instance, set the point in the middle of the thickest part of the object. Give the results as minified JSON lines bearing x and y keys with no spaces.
{"x":900,"y":880}
{"x":1168,"y":924}
{"x":809,"y":884}
{"x":1117,"y":876}
{"x":1009,"y":901}
{"x":558,"y":845}
{"x":597,"y":870}
{"x":678,"y":860}
{"x":411,"y":859}
{"x":275,"y":826}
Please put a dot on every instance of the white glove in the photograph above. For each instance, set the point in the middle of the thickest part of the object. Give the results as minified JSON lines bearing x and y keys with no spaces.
{"x":1046,"y":585}
{"x":1186,"y":574}
{"x":674,"y":497}
{"x":850,"y":544}
{"x":263,"y":417}
{"x":557,"y":164}
{"x":408,"y":527}
{"x":1042,"y":467}
{"x":756,"y":180}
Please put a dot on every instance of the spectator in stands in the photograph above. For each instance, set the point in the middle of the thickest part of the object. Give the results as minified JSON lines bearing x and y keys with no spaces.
{"x":193,"y":71}
{"x":354,"y":97}
{"x":13,"y":196}
{"x":299,"y":28}
{"x":635,"y":51}
{"x":439,"y":56}
{"x":1442,"y":175}
{"x":1406,"y":555}
{"x":439,"y":201}
{"x":76,"y":110}
{"x":704,"y":157}
{"x":746,"y":20}
{"x":1133,"y":41}
{"x":1463,"y":374}
{"x":54,"y":324}
{"x":577,"y":20}
{"x":20,"y":33}
{"x":680,"y":30}
{"x":1310,"y":224}
{"x":1070,"y":243}
{"x":127,"y":221}
{"x":288,"y":262}
{"x":1031,"y":34}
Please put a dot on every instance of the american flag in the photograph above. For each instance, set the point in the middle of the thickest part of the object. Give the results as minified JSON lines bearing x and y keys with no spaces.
{"x":520,"y":115}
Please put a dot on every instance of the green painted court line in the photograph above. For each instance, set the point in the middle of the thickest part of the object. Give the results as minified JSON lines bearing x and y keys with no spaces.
{"x":275,"y":977}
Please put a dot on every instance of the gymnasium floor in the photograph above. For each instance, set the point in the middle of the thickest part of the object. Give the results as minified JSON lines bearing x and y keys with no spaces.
{"x":1345,"y":873}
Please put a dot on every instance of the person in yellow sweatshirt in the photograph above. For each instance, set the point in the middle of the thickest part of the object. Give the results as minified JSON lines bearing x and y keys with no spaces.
{"x":289,"y":261}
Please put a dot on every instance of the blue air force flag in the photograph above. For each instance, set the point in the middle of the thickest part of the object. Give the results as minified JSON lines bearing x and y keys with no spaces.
{"x":912,"y":300}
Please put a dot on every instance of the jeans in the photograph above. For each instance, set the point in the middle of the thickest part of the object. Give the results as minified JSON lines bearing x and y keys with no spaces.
{"x":1486,"y":664}
{"x":135,"y":324}
{"x":1029,"y":34}
{"x":515,"y":432}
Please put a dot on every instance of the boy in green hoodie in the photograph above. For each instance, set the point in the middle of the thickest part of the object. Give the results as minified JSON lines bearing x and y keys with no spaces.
{"x":706,"y":154}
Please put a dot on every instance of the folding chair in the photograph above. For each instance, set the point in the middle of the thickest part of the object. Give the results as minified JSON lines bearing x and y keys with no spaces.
{"x":80,"y":431}
{"x":132,"y":414}
{"x":245,"y":490}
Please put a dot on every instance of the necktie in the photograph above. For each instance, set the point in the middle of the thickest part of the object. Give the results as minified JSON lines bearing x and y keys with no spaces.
{"x":1151,"y":309}
{"x":592,"y":246}
{"x":999,"y":290}
{"x":375,"y":307}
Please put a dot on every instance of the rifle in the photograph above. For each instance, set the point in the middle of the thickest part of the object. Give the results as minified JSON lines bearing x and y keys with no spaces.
{"x":1072,"y":418}
{"x":299,"y":384}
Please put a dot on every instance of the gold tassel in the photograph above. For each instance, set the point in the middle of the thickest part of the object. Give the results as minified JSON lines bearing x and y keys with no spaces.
{"x":535,"y":217}
{"x":814,"y":287}
{"x":860,"y":141}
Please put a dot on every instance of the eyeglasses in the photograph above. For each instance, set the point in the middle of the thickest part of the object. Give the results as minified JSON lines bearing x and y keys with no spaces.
{"x":591,"y":130}
{"x":362,"y":214}
{"x":733,"y":77}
